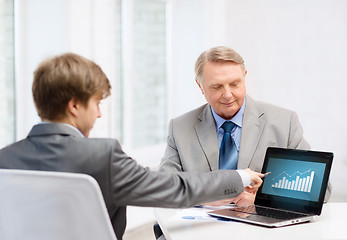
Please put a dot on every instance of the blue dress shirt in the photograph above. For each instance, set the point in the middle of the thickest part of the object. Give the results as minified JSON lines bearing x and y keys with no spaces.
{"x":236,"y":132}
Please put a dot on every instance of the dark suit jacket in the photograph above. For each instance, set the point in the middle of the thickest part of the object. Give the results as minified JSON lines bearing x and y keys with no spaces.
{"x":57,"y":147}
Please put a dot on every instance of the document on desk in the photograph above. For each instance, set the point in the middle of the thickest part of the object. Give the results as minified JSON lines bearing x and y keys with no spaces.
{"x":199,"y":213}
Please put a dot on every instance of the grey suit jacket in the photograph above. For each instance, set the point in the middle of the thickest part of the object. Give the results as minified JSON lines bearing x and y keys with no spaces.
{"x":192,"y":143}
{"x":57,"y":147}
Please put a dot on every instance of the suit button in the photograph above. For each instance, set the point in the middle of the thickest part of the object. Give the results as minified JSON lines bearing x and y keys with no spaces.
{"x":228,"y":191}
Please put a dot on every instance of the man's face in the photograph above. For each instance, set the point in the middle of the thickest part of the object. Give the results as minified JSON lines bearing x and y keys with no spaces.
{"x":223,"y":85}
{"x":88,"y":114}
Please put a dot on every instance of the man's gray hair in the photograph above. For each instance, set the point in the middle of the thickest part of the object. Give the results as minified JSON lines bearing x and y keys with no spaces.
{"x":216,"y":54}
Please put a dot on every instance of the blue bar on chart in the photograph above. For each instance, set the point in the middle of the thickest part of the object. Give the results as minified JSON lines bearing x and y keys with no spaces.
{"x":301,"y":184}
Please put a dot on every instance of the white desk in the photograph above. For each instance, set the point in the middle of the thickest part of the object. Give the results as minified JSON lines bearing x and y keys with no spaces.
{"x":332,"y":224}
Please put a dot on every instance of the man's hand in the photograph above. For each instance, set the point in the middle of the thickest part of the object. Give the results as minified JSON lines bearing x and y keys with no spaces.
{"x":219,"y":203}
{"x":256,"y":181}
{"x":248,"y":196}
{"x":244,"y":199}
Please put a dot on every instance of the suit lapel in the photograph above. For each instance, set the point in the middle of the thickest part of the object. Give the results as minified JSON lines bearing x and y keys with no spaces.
{"x":252,"y":128}
{"x":206,"y":133}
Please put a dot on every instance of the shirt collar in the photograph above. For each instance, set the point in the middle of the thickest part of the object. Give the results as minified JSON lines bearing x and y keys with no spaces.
{"x":65,"y":124}
{"x":237,"y":119}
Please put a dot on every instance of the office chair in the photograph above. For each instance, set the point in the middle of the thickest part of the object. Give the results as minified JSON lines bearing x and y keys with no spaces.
{"x":40,"y":205}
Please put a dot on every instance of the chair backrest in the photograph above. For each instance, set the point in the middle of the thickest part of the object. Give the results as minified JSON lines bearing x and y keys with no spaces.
{"x":39,"y":205}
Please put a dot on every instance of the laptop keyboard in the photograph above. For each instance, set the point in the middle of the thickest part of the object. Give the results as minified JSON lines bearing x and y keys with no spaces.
{"x":268,"y":212}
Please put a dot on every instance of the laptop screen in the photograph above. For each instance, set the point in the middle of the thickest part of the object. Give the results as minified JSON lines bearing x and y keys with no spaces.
{"x":298,"y":179}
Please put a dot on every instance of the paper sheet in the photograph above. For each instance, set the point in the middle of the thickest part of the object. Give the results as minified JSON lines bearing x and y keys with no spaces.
{"x":199,"y":213}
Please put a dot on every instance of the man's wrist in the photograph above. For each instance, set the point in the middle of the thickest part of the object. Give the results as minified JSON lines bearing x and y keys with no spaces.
{"x":246,"y":179}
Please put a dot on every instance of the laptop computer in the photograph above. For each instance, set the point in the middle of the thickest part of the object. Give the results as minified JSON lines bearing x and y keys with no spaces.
{"x":292,"y":193}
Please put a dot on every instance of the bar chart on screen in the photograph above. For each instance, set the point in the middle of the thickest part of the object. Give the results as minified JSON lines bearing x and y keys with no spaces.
{"x":298,"y":181}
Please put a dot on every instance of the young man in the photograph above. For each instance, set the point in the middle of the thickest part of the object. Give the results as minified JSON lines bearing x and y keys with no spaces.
{"x":67,"y":90}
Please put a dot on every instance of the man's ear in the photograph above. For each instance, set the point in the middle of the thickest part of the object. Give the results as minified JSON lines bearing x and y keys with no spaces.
{"x":72,"y":107}
{"x":202,"y":90}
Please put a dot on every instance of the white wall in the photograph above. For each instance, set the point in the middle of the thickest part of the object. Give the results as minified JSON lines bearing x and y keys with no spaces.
{"x":186,"y":43}
{"x":51,"y":27}
{"x":34,"y":40}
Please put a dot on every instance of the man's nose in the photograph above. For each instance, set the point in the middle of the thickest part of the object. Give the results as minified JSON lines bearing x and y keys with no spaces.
{"x":227,"y":92}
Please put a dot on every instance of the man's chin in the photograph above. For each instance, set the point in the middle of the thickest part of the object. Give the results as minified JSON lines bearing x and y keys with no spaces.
{"x":227,"y":115}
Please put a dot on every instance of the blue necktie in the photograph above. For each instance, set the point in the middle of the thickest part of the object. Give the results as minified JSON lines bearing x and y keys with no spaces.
{"x":228,"y":154}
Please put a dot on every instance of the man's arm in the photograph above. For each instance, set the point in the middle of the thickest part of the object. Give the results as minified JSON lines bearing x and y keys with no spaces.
{"x":296,"y":134}
{"x":134,"y":185}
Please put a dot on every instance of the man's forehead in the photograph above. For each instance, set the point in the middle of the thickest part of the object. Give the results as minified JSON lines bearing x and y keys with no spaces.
{"x":224,"y":68}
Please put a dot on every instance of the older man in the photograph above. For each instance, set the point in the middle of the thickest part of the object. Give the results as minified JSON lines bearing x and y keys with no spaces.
{"x":198,"y":141}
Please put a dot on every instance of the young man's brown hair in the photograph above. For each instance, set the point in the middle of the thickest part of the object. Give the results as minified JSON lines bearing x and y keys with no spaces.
{"x":62,"y":78}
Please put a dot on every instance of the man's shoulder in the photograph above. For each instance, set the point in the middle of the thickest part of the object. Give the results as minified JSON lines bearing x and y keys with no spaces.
{"x":94,"y":142}
{"x":65,"y":135}
{"x":193,"y":114}
{"x":269,"y":107}
{"x":265,"y":107}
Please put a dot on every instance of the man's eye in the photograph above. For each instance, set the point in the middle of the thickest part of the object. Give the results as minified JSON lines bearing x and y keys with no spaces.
{"x":234,"y":84}
{"x":216,"y":87}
